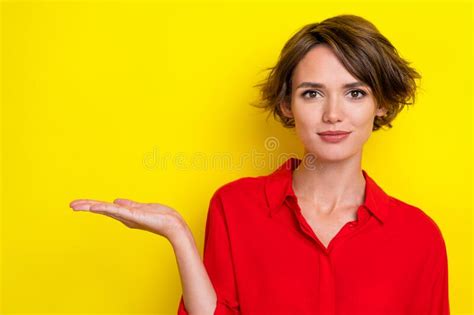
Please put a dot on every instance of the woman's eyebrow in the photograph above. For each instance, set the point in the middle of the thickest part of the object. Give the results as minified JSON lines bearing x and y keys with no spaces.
{"x":320,"y":85}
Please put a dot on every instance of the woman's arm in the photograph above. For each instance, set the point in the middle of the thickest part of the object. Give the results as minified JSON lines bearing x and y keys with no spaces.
{"x":198,"y":292}
{"x":218,"y":260}
{"x":199,"y":295}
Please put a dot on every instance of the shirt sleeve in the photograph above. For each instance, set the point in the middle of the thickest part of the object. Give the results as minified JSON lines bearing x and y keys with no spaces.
{"x":432,"y":294}
{"x":440,"y":291}
{"x":218,"y":261}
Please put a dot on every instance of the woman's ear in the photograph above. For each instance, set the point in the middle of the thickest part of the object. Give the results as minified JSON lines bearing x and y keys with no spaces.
{"x":381,"y":111}
{"x":286,"y":109}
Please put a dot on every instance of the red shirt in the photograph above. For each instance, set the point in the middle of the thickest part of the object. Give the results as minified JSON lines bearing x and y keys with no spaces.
{"x":263,"y":257}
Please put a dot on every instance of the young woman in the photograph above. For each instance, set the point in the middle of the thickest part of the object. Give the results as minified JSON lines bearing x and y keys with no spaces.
{"x":317,"y":235}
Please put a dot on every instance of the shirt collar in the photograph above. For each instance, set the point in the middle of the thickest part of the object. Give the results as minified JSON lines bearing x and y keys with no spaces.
{"x":278,"y":186}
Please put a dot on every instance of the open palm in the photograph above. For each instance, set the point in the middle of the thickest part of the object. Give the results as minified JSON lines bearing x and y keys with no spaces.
{"x":154,"y":217}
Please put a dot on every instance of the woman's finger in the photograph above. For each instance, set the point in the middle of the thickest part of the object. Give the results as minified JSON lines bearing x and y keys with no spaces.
{"x":78,"y":201}
{"x":87,"y":205}
{"x":127,"y":202}
{"x":104,"y":207}
{"x":111,"y":208}
{"x":84,"y":205}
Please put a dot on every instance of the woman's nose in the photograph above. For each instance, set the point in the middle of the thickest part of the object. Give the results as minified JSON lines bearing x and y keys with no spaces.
{"x":332,"y":111}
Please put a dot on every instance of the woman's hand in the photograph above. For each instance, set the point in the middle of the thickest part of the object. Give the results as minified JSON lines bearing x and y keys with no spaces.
{"x":154,"y":217}
{"x":199,"y":295}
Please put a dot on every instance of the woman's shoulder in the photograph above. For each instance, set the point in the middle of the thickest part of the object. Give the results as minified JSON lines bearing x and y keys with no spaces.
{"x":241,"y":198}
{"x":412,"y":217}
{"x":241,"y":186}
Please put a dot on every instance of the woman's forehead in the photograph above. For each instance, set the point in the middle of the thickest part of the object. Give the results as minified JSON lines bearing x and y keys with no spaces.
{"x":320,"y":64}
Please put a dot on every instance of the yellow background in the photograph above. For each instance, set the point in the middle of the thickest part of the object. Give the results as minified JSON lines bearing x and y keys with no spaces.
{"x":96,"y":94}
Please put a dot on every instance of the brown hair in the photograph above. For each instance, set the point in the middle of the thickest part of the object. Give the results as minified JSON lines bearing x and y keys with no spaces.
{"x":363,"y":51}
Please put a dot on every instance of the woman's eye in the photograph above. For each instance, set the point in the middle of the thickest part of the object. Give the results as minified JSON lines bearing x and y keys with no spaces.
{"x":363,"y":93}
{"x":354,"y":94}
{"x":310,"y":93}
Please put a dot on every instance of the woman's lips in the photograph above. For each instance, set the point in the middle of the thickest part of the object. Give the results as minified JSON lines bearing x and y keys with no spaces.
{"x":334,"y":138}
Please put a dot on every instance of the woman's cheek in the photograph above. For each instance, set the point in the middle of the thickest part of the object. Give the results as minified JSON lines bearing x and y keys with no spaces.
{"x":304,"y":130}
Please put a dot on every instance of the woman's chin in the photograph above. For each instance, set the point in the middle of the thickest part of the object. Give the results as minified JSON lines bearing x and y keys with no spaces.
{"x":330,"y":155}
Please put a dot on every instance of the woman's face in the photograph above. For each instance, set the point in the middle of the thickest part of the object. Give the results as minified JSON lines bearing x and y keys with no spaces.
{"x":330,"y":106}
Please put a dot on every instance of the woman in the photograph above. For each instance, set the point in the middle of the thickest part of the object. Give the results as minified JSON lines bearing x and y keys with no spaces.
{"x":318,"y":235}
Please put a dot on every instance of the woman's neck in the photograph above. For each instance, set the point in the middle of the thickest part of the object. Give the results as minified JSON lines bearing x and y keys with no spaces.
{"x":329,"y":186}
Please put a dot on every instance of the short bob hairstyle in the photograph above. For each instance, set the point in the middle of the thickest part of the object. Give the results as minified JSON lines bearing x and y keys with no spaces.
{"x":363,"y":51}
